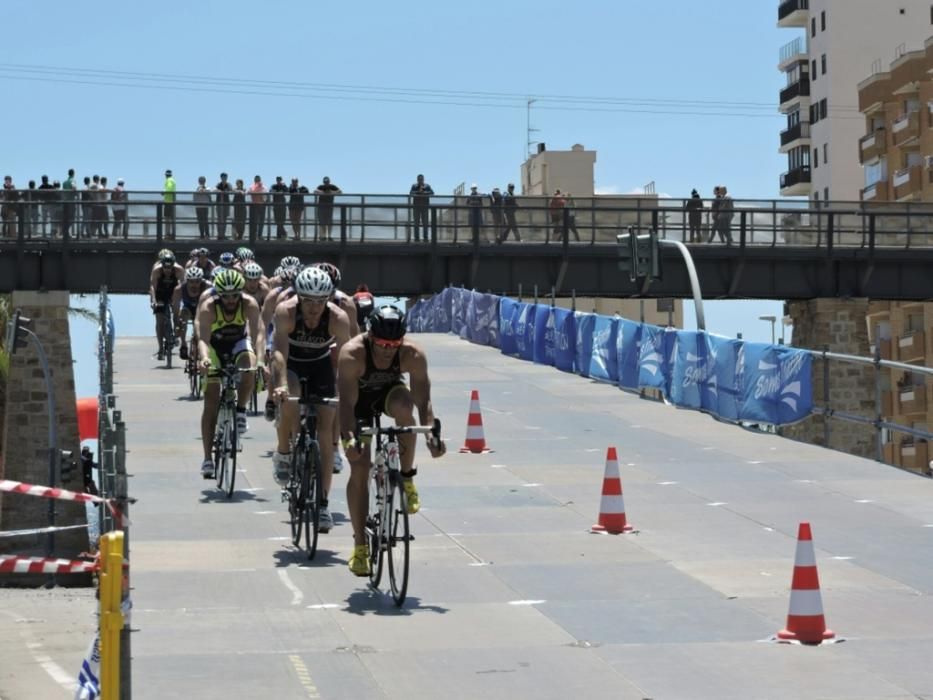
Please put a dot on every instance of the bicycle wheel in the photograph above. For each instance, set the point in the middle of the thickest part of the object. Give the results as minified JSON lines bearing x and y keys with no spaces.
{"x":313,"y":499}
{"x":297,"y":495}
{"x":375,"y":529}
{"x":194,"y":378}
{"x":231,"y":448}
{"x":220,"y":459}
{"x":398,"y":538}
{"x":169,"y":339}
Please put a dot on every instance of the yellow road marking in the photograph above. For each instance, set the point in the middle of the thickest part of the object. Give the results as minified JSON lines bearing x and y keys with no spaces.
{"x":304,"y":676}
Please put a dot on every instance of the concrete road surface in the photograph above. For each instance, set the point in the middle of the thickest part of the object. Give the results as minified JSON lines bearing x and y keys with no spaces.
{"x":510,"y":595}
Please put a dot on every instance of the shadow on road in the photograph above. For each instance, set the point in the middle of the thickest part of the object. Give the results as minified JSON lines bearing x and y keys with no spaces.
{"x":372,"y":602}
{"x":292,"y":556}
{"x":215,"y":495}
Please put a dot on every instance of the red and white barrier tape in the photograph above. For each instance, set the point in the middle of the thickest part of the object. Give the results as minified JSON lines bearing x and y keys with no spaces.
{"x":62,"y":495}
{"x":40,"y":530}
{"x":39,"y":565}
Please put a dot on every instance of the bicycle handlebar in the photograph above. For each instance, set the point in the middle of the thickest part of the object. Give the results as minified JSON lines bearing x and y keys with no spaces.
{"x":433,"y":430}
{"x":313,"y":400}
{"x":230,"y":371}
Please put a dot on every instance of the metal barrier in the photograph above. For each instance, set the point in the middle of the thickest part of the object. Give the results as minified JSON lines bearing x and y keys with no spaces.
{"x":465,"y":220}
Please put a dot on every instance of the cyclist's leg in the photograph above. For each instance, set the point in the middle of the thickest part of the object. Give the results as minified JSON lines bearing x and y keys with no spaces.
{"x":157,"y":317}
{"x":322,"y":383}
{"x":288,"y":415}
{"x":358,"y":482}
{"x":245,"y":359}
{"x":400,"y":407}
{"x":210,"y":408}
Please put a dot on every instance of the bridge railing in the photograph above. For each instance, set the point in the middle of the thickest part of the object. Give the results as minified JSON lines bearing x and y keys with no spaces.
{"x":145,"y":216}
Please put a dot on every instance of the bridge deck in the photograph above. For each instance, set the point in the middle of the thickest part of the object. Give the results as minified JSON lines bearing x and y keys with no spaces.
{"x":225,"y":608}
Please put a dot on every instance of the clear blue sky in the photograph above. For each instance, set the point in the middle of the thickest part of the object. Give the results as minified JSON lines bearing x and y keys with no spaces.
{"x":372,"y":93}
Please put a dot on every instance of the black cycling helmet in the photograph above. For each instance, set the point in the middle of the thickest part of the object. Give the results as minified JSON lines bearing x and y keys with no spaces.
{"x":387,"y":323}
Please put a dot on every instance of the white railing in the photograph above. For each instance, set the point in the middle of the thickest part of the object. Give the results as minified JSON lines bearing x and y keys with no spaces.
{"x":902,"y":177}
{"x":791,"y":49}
{"x":901,"y":123}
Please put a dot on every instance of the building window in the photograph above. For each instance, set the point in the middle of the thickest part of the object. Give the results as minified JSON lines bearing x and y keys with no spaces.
{"x":816,"y":196}
{"x":825,"y":194}
{"x":814,"y":113}
{"x":823,"y":21}
{"x":813,"y":69}
{"x":816,"y":157}
{"x":823,"y":64}
{"x":825,"y":153}
{"x":823,"y":108}
{"x":813,"y":26}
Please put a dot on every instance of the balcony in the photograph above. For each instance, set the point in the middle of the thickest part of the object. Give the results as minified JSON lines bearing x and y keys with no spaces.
{"x":796,"y":182}
{"x":877,"y":192}
{"x":873,"y":91}
{"x":907,"y":72}
{"x":906,"y":128}
{"x":795,"y":136}
{"x":793,"y":13}
{"x":911,"y":347}
{"x":908,"y":183}
{"x":793,"y":92}
{"x":873,"y":146}
{"x":912,"y":400}
{"x":913,"y":456}
{"x":792,"y":52}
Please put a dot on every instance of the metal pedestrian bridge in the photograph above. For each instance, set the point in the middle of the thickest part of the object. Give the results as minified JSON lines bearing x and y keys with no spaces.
{"x":779,"y":249}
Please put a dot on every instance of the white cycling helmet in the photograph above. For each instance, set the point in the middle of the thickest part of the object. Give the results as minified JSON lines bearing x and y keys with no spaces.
{"x":290,"y":261}
{"x":193,"y":274}
{"x":315,"y":283}
{"x":252,"y":271}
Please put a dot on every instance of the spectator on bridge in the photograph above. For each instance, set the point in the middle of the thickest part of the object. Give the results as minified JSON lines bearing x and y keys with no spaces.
{"x":420,"y":194}
{"x":257,"y":207}
{"x":94,"y":200}
{"x":296,"y":206}
{"x":118,"y":204}
{"x":474,"y":202}
{"x":31,"y":209}
{"x":102,"y":208}
{"x":694,"y":209}
{"x":509,"y":205}
{"x":44,"y":196}
{"x":56,"y":208}
{"x":496,"y":209}
{"x":279,"y":190}
{"x":224,"y":188}
{"x":724,"y":214}
{"x":713,"y":208}
{"x":556,"y":213}
{"x":239,"y":210}
{"x":69,"y":194}
{"x":8,"y":209}
{"x":168,"y":204}
{"x":571,"y":207}
{"x":87,"y":207}
{"x":325,"y":208}
{"x":202,"y":205}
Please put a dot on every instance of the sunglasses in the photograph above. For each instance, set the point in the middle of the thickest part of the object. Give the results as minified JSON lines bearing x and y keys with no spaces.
{"x":382,"y":343}
{"x":229,"y":295}
{"x":314,"y":300}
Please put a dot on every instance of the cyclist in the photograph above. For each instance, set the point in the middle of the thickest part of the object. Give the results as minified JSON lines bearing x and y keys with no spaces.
{"x":306,"y":325}
{"x":227,"y":260}
{"x":165,"y":276}
{"x":256,"y":285}
{"x":340,"y":298}
{"x":185,"y":302}
{"x":244,"y":255}
{"x":276,"y":294}
{"x":364,"y":305}
{"x":228,"y":326}
{"x":370,"y":382}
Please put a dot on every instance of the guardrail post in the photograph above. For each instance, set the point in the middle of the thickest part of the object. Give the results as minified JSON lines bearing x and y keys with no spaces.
{"x":343,"y":223}
{"x":879,"y":417}
{"x":159,"y":220}
{"x":536,"y":294}
{"x":828,"y":414}
{"x":743,"y":228}
{"x":433,"y":225}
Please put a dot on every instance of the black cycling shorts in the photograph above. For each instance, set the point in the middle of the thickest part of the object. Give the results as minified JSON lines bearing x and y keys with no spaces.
{"x":321,"y":380}
{"x":369,"y":404}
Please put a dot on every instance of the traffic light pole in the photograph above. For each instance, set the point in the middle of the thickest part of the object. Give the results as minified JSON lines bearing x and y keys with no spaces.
{"x":694,"y":280}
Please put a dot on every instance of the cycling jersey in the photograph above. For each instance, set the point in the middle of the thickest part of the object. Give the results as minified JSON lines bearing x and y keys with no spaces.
{"x":310,"y":344}
{"x":377,"y":385}
{"x":190,"y":303}
{"x":229,"y":337}
{"x":165,"y":287}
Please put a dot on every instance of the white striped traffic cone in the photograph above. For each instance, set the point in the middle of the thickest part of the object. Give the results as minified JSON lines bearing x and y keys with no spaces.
{"x":805,"y":621}
{"x":475,"y":440}
{"x":612,"y":505}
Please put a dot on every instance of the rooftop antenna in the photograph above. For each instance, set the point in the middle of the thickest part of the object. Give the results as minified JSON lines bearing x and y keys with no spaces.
{"x":529,"y":130}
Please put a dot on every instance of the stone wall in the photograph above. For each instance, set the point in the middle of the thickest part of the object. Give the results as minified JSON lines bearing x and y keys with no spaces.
{"x":26,"y":451}
{"x":839,"y":324}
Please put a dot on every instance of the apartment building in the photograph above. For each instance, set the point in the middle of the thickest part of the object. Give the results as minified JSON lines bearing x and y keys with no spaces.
{"x":896,"y":148}
{"x":842,"y":42}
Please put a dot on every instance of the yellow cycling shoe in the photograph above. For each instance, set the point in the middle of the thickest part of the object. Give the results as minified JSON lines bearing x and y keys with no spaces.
{"x":359,"y":561}
{"x":411,"y":495}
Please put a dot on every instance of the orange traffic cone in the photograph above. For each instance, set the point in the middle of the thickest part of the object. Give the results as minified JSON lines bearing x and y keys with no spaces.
{"x":805,"y":621}
{"x":612,"y":505}
{"x":475,"y":440}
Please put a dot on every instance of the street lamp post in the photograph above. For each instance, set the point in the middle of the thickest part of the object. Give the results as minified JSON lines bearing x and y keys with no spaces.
{"x":772,"y":320}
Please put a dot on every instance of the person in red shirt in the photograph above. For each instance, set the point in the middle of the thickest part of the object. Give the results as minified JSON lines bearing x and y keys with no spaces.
{"x":257,"y":207}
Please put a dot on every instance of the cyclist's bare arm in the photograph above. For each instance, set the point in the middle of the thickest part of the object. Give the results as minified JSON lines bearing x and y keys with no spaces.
{"x":176,"y":303}
{"x":153,"y":281}
{"x":203,"y":321}
{"x":339,"y":327}
{"x":268,"y":307}
{"x":284,"y":325}
{"x":351,"y":364}
{"x":257,"y":332}
{"x":415,"y":364}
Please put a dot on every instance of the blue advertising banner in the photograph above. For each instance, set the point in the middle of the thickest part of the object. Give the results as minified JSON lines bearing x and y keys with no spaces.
{"x":603,"y":361}
{"x":508,"y":319}
{"x":458,"y":306}
{"x":481,"y":316}
{"x":492,"y":338}
{"x":654,"y":358}
{"x":693,"y":375}
{"x":565,"y":339}
{"x":441,"y":313}
{"x":585,"y":323}
{"x":628,"y":350}
{"x":544,"y":335}
{"x":525,"y":331}
{"x":728,"y":358}
{"x":777,"y":386}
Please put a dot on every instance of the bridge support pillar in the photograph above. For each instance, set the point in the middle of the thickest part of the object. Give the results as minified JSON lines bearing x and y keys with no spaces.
{"x":838,"y":325}
{"x":25,"y":449}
